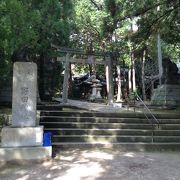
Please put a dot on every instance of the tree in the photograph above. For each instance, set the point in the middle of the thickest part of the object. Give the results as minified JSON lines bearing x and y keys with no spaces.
{"x":54,"y":28}
{"x":28,"y":28}
{"x":32,"y":26}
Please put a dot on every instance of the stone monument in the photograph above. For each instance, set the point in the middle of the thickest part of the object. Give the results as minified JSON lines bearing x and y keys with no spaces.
{"x":24,"y":94}
{"x":24,"y":139}
{"x":168,"y":94}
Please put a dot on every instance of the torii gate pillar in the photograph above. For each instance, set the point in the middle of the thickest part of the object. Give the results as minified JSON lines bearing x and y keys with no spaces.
{"x":66,"y":79}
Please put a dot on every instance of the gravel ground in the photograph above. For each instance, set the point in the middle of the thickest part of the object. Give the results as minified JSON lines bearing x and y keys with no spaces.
{"x":81,"y":164}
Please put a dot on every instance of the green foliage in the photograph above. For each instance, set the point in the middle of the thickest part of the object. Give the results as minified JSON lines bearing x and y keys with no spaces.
{"x":34,"y":25}
{"x":81,"y":69}
{"x":94,"y":25}
{"x":88,"y":21}
{"x":5,"y":119}
{"x":171,"y":50}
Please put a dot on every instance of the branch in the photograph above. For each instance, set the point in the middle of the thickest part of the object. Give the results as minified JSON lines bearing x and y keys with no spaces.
{"x":140,"y":11}
{"x":96,"y":5}
{"x":160,"y":18}
{"x":95,"y":30}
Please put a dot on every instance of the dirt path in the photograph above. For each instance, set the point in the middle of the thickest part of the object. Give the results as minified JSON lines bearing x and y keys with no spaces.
{"x":81,"y":164}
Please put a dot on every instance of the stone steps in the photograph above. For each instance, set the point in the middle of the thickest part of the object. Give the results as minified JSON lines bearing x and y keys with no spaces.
{"x":142,"y":132}
{"x":100,"y":138}
{"x":123,"y":146}
{"x":86,"y":114}
{"x":87,"y":125}
{"x":49,"y":107}
{"x":104,"y":119}
{"x":114,"y":138}
{"x":123,"y":130}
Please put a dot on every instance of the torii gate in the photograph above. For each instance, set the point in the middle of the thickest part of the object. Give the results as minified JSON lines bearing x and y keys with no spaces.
{"x":107,"y":62}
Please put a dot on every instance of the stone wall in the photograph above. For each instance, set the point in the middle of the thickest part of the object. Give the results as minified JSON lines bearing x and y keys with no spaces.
{"x":166,"y":95}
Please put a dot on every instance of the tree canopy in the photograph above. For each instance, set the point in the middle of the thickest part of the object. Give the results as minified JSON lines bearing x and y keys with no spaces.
{"x":32,"y":26}
{"x":93,"y":25}
{"x":112,"y":24}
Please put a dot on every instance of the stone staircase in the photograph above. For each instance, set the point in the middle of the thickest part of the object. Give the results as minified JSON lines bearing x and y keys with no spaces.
{"x":126,"y":131}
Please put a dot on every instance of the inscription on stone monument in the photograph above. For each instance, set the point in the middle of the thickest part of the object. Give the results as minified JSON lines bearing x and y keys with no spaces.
{"x":24,"y":94}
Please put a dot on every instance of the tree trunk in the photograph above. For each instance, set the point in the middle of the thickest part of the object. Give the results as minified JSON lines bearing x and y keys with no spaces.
{"x":109,"y":80}
{"x":90,"y":69}
{"x":159,"y":58}
{"x":133,"y":73}
{"x":129,"y":80}
{"x":143,"y":75}
{"x":41,"y":77}
{"x":119,"y":93}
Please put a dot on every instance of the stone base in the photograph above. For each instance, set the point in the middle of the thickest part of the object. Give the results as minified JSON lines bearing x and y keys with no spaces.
{"x":25,"y":153}
{"x":117,"y":105}
{"x":21,"y":137}
{"x":166,"y":95}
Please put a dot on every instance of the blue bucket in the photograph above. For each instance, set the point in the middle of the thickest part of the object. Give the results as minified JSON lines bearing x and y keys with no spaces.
{"x":47,"y":139}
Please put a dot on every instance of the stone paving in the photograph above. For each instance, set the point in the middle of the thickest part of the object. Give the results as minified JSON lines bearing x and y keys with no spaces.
{"x":90,"y":106}
{"x":112,"y":108}
{"x":105,"y":164}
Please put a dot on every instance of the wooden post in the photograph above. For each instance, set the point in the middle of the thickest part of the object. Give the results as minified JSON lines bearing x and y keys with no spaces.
{"x":66,"y":79}
{"x":109,"y":80}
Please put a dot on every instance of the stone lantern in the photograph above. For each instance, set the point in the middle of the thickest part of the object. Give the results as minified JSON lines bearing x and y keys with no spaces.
{"x":96,"y":88}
